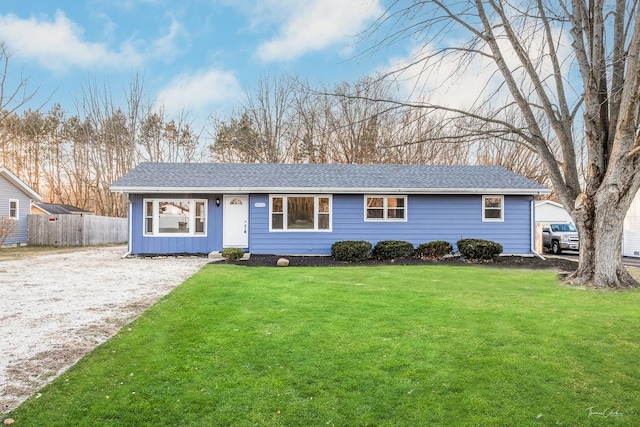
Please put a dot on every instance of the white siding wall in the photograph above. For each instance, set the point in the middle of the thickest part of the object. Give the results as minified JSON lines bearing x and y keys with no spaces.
{"x":631,"y":233}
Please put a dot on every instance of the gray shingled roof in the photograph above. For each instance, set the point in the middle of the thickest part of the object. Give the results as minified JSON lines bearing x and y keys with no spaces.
{"x":277,"y":177}
{"x":60,"y":209}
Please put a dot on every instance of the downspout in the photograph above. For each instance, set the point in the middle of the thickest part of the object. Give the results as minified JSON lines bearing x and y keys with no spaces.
{"x":130,"y":232}
{"x":533,"y":229}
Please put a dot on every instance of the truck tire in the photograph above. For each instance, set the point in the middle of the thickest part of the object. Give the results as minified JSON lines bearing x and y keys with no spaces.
{"x":555,"y":248}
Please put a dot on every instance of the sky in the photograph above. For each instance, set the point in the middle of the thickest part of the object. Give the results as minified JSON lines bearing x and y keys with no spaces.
{"x":202,"y":57}
{"x":196,"y":56}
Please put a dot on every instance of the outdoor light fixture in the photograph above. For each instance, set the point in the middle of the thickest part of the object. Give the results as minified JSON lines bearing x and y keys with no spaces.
{"x":217,"y":201}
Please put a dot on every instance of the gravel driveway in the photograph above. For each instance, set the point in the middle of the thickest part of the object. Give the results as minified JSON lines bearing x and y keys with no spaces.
{"x":56,"y":308}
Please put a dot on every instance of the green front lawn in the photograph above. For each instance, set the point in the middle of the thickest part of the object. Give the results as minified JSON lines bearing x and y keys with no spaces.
{"x":358,"y":346}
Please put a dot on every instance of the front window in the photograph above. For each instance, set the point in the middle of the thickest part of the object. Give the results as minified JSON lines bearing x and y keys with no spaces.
{"x":13,"y":209}
{"x":200,"y":216}
{"x":492,"y":208}
{"x":175,"y":217}
{"x":301,"y":213}
{"x":385,"y":208}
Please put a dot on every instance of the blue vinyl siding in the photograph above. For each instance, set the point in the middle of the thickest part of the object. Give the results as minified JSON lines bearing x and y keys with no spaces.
{"x":438,"y":217}
{"x":141,"y":244}
{"x":429,"y":217}
{"x":8,"y":191}
{"x":262,"y":241}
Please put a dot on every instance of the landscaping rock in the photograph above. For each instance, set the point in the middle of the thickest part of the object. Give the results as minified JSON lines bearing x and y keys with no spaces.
{"x":282,"y":262}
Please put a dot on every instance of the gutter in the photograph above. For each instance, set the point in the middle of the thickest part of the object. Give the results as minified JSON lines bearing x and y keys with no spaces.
{"x":533,"y":230}
{"x":327,"y":190}
{"x":129,"y":211}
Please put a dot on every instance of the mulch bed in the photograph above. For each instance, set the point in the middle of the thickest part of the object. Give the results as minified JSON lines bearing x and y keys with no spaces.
{"x":562,"y":264}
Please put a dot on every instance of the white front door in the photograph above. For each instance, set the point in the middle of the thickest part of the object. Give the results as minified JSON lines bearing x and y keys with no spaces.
{"x":235,"y":232}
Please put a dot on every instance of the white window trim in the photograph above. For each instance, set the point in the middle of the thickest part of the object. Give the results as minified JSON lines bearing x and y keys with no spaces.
{"x":156,"y":218}
{"x":485,"y":219}
{"x":315,"y":213}
{"x":17,"y":209}
{"x":385,"y":208}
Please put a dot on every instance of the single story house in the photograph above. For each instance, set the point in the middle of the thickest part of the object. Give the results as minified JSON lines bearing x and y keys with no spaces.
{"x":15,"y":202}
{"x":302,"y":209}
{"x":39,"y":208}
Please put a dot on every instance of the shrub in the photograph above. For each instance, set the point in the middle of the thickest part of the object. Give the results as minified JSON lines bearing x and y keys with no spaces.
{"x":351,"y":250}
{"x":8,"y":228}
{"x":434,"y":250}
{"x":233,"y":254}
{"x":392,"y":249}
{"x":478,"y":249}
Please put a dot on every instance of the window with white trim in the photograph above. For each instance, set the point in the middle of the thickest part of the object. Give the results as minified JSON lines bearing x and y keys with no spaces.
{"x":175,"y":217}
{"x":300,"y":213}
{"x":385,"y":208}
{"x":14,"y":208}
{"x":492,"y":208}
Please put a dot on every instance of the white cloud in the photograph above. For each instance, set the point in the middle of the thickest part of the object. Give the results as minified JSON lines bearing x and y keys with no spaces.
{"x":314,"y":25}
{"x":58,"y":44}
{"x":168,"y":46}
{"x":446,"y":81}
{"x":443,"y":82}
{"x":199,"y":91}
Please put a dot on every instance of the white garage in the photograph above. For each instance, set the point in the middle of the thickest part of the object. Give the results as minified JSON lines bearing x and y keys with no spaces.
{"x":548,"y":211}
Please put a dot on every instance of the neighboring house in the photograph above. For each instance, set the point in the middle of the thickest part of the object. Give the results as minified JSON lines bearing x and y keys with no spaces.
{"x":39,"y":208}
{"x":15,"y":201}
{"x":302,"y":209}
{"x":631,"y":229}
{"x":548,"y":211}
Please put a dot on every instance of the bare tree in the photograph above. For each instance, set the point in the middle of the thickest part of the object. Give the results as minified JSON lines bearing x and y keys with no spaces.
{"x":314,"y":145}
{"x":264,"y":129}
{"x":499,"y":148}
{"x":234,"y":139}
{"x":354,"y":123}
{"x":21,"y":145}
{"x":8,"y":228}
{"x":23,"y":134}
{"x":109,"y":133}
{"x":14,"y":98}
{"x":78,"y":188}
{"x":163,"y":140}
{"x":11,"y":146}
{"x":14,"y":147}
{"x":53,"y":127}
{"x":539,"y":52}
{"x":348,"y":123}
{"x":271,"y":111}
{"x":413,"y":136}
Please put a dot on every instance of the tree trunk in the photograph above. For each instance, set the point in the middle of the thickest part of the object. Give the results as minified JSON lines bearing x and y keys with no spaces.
{"x":600,"y":228}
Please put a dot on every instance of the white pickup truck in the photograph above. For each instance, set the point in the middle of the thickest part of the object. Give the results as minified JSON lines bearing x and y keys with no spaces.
{"x":557,"y":237}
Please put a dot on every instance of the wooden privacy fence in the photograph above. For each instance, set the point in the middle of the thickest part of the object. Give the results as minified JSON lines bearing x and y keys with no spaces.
{"x":75,"y":230}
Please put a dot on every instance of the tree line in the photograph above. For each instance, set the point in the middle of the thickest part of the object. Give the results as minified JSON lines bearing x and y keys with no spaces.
{"x":286,"y":120}
{"x":73,"y":158}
